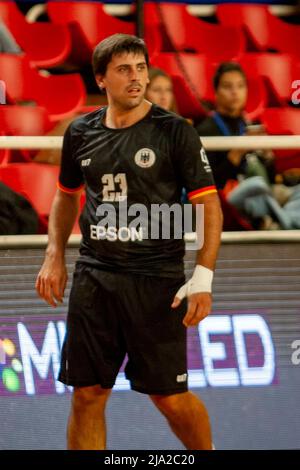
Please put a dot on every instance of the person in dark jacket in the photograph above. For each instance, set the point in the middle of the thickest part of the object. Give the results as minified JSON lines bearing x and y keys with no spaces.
{"x":245,"y":177}
{"x":231,"y":92}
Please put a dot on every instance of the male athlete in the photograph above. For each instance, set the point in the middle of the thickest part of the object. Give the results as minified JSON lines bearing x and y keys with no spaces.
{"x":128,"y":288}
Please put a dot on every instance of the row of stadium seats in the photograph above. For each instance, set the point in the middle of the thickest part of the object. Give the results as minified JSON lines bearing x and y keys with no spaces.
{"x":171,"y":27}
{"x":271,"y":78}
{"x":77,"y":26}
{"x":62,"y":95}
{"x":270,"y":75}
{"x":46,"y":44}
{"x":240,"y":28}
{"x":59,"y":96}
{"x":263,"y":30}
{"x":50,"y":43}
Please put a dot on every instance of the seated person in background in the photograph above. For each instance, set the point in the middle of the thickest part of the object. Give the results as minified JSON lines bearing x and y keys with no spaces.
{"x":231,"y":91}
{"x":246,"y":177}
{"x":160,"y":90}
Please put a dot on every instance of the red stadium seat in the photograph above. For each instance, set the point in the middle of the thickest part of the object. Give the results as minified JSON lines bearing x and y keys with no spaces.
{"x":264,"y":30}
{"x":22,"y":120}
{"x":187,"y":102}
{"x":153,"y":39}
{"x":189,"y":74}
{"x":46,"y":44}
{"x":187,"y":33}
{"x":285,"y":37}
{"x":61,"y":95}
{"x":88,"y":23}
{"x":37,"y":182}
{"x":192,"y":76}
{"x":279,"y":72}
{"x":196,"y":70}
{"x":283,"y":121}
{"x":154,"y":27}
{"x":257,"y":97}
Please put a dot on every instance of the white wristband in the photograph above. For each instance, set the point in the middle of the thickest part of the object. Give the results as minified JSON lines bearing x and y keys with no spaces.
{"x":201,"y":281}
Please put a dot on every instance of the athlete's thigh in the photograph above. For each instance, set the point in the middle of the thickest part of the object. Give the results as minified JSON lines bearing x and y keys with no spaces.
{"x":155,"y":336}
{"x":93,"y":349}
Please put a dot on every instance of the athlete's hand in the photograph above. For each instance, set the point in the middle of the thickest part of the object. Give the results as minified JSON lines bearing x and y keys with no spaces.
{"x":198,"y":292}
{"x":199,"y":306}
{"x":52,"y":279}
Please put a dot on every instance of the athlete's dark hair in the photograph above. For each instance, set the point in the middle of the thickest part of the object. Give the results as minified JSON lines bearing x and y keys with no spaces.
{"x":115,"y":45}
{"x":225,"y":67}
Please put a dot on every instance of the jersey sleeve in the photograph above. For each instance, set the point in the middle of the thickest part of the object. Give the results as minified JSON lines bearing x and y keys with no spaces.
{"x":70,"y":178}
{"x":192,"y":164}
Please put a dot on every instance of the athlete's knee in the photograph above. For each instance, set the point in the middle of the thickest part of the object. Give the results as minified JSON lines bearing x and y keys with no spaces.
{"x":85,"y":397}
{"x":169,"y":405}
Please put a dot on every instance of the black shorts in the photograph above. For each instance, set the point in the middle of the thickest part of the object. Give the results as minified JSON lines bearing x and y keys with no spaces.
{"x":111,"y":314}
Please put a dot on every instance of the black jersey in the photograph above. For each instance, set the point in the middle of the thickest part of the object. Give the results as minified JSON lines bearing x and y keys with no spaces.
{"x":146,"y":164}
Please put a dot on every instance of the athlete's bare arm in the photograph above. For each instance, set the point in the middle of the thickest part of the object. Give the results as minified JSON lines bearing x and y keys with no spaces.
{"x":52,"y":278}
{"x":199,"y":304}
{"x":213,"y":223}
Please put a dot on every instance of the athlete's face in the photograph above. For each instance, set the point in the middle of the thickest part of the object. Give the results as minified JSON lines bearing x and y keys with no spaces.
{"x":125,"y":80}
{"x":160,"y":91}
{"x":231,"y":95}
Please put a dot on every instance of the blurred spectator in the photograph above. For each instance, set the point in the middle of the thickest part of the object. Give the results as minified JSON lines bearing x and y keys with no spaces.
{"x":245,"y":177}
{"x":229,"y":119}
{"x":160,"y":90}
{"x":7,"y":42}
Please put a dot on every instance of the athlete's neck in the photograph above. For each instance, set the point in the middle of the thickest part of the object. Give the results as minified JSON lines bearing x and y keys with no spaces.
{"x":117,"y":118}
